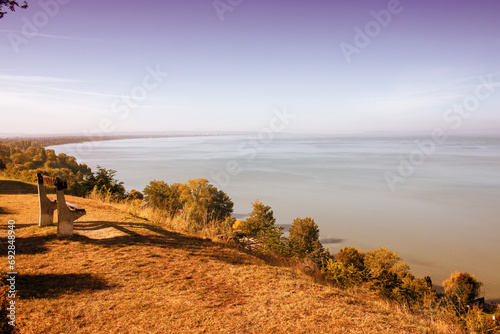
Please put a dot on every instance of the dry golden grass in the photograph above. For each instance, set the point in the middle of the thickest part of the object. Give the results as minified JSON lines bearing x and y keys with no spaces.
{"x":121,"y":274}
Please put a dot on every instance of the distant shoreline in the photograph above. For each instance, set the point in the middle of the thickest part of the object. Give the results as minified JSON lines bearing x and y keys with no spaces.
{"x":63,"y":140}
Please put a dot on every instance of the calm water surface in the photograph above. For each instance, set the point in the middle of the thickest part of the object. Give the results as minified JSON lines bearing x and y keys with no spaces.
{"x":441,"y":214}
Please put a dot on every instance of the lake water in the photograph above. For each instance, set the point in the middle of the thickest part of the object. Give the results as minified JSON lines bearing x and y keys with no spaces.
{"x":437,"y":205}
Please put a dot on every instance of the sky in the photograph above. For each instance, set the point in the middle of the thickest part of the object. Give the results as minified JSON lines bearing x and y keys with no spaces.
{"x":317,"y":66}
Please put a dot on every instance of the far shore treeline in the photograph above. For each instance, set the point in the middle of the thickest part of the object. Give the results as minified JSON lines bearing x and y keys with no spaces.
{"x":24,"y":143}
{"x":198,"y":207}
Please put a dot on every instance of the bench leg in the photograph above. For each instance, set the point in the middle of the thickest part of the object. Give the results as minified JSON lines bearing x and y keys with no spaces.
{"x":65,"y":216}
{"x":65,"y":228}
{"x":47,"y":207}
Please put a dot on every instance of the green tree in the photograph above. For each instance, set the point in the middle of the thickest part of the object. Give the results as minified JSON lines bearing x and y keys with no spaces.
{"x":273,"y":240}
{"x":303,"y":236}
{"x":461,"y":289}
{"x":104,"y":182}
{"x":260,"y":225}
{"x":261,"y":218}
{"x":5,"y":4}
{"x":156,"y":194}
{"x":386,"y":270}
{"x":196,"y":197}
{"x":204,"y":203}
{"x":383,"y":260}
{"x":220,"y":206}
{"x":164,"y":197}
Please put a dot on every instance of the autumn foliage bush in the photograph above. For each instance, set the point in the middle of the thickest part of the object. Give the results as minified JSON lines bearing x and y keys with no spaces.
{"x":461,"y":288}
{"x":381,"y":271}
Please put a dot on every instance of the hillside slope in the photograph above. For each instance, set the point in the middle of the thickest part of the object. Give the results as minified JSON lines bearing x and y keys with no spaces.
{"x":120,"y":274}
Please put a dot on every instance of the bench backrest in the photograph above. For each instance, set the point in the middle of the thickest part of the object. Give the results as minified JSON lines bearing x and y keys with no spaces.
{"x":56,"y":182}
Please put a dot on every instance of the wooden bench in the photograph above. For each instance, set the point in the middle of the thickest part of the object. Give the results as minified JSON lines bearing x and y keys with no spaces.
{"x":67,"y":213}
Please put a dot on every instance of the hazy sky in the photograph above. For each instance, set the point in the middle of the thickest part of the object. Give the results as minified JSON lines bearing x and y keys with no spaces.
{"x":72,"y":66}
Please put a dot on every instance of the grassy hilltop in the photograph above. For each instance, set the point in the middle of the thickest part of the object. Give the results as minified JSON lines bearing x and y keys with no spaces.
{"x":122,"y":274}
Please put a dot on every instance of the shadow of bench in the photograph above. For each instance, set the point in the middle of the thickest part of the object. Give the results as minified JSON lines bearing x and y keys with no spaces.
{"x":67,"y":213}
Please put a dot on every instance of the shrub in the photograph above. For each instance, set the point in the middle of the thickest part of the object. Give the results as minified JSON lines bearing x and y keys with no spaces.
{"x":382,"y":260}
{"x":134,"y":195}
{"x":228,"y":224}
{"x":320,"y":256}
{"x":476,"y":322}
{"x":237,"y":224}
{"x":413,"y":290}
{"x":346,"y":276}
{"x":386,"y":271}
{"x":461,"y":288}
{"x":351,"y":256}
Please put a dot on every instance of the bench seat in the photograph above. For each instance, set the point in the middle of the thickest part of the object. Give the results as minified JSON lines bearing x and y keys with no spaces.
{"x":74,"y":207}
